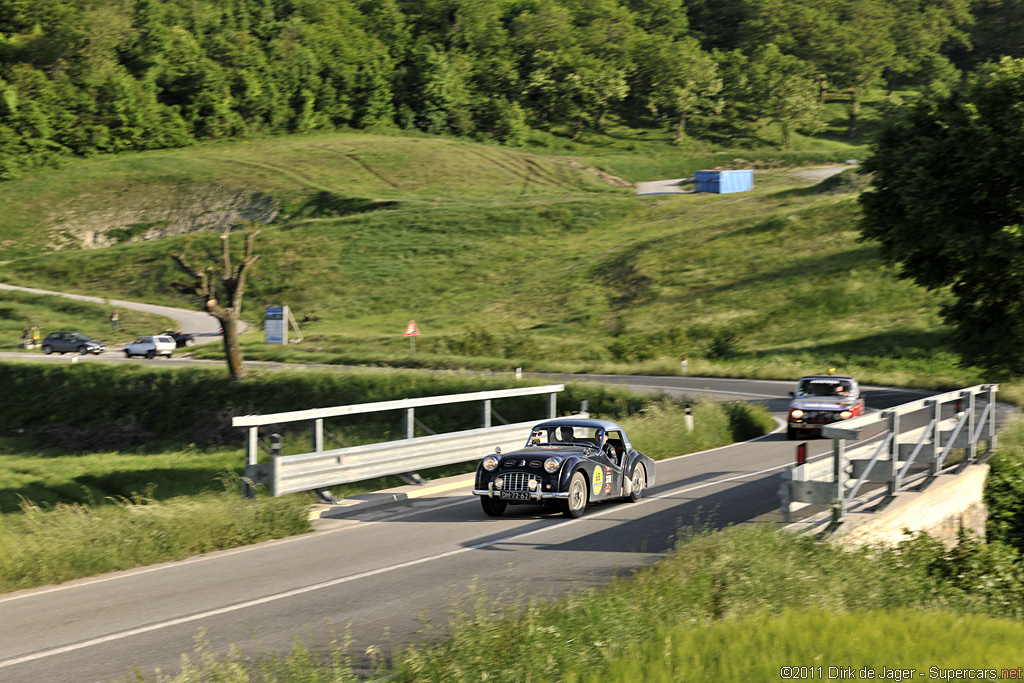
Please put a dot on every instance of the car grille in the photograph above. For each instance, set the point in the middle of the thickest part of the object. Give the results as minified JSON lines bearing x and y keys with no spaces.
{"x":821,"y":415}
{"x":516,"y":481}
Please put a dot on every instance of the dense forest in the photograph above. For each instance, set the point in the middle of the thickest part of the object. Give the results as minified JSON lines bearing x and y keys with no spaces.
{"x":81,"y":77}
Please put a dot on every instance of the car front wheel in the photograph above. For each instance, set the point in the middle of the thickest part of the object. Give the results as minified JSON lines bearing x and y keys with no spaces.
{"x":577,"y":500}
{"x":82,"y":350}
{"x":492,"y":507}
{"x":638,"y":482}
{"x":127,"y":354}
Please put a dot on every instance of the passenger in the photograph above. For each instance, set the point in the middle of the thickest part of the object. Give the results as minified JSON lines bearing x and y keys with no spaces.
{"x":565,"y":434}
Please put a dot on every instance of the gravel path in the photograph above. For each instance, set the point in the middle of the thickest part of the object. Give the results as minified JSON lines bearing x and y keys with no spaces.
{"x":203,"y":326}
{"x":685,"y":185}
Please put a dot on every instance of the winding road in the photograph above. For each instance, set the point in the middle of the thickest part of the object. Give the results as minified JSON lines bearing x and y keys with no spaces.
{"x":383,"y":571}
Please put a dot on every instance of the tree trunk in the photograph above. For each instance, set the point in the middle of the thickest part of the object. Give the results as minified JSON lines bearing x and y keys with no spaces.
{"x":681,"y":128}
{"x":221,"y":287}
{"x":853,"y":109}
{"x":232,"y":352}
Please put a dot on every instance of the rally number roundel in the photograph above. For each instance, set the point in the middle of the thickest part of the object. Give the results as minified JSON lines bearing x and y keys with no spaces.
{"x":598,"y":480}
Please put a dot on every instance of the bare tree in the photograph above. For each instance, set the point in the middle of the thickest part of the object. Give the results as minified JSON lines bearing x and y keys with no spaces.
{"x":221,"y":286}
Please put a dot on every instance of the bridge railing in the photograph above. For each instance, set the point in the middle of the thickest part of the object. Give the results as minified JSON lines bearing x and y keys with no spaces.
{"x":322,"y":468}
{"x":914,"y":439}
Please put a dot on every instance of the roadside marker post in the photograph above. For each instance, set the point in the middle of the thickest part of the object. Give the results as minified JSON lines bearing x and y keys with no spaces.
{"x":411,"y":331}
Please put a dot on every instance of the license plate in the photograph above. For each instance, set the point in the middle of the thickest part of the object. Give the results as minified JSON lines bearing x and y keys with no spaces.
{"x":514,"y":495}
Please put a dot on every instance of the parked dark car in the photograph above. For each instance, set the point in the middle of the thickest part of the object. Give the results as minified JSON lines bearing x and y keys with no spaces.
{"x":180,"y":338}
{"x":71,"y":342}
{"x":820,"y":400}
{"x":566,"y":463}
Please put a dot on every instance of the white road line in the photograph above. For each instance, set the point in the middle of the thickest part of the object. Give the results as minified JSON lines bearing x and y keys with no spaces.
{"x":355,"y":577}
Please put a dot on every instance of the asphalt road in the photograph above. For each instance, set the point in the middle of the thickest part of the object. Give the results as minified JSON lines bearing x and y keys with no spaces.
{"x":385,"y":570}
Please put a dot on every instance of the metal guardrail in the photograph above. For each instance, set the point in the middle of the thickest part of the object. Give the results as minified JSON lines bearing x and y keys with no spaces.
{"x":311,"y":471}
{"x":956,"y":419}
{"x":320,"y":469}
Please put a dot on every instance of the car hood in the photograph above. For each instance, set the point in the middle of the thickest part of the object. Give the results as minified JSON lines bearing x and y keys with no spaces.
{"x":541,"y":453}
{"x":822,"y":403}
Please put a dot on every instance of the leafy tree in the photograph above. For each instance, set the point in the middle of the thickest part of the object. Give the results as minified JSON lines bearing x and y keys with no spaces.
{"x":785,"y":91}
{"x":947,"y":206}
{"x":921,"y":28}
{"x":221,"y":286}
{"x":680,"y":79}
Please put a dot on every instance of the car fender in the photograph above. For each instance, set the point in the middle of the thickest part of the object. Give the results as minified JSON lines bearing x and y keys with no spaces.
{"x":634,"y":458}
{"x":571,"y":466}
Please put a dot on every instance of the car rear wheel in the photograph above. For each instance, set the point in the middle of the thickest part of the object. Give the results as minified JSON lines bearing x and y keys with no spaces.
{"x":492,"y":507}
{"x":47,"y":350}
{"x":577,"y":500}
{"x":150,"y":353}
{"x":638,"y":482}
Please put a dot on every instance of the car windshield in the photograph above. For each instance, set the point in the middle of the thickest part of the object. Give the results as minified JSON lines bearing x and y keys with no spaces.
{"x":140,"y":340}
{"x":565,"y":434}
{"x":80,"y":337}
{"x":824,"y":387}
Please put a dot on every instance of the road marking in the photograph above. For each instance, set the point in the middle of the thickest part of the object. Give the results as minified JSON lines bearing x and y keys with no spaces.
{"x":355,"y":577}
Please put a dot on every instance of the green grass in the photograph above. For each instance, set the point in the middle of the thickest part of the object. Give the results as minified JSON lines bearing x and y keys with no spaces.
{"x":879,"y":644}
{"x":49,"y":545}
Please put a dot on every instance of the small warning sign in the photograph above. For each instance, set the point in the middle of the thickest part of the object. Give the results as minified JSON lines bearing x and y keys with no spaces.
{"x":412,"y":330}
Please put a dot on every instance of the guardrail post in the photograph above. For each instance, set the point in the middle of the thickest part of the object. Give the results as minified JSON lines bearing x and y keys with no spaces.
{"x":252,"y":446}
{"x":318,"y":435}
{"x":552,"y":400}
{"x":991,"y":391}
{"x":894,"y":453}
{"x":972,"y":444}
{"x":486,"y":413}
{"x":410,"y":423}
{"x":840,"y":476}
{"x":934,"y":465}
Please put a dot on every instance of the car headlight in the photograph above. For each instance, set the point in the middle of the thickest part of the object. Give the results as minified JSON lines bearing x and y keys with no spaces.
{"x":846,"y":414}
{"x":490,"y":463}
{"x":551,"y":465}
{"x":499,"y":483}
{"x":796,"y":413}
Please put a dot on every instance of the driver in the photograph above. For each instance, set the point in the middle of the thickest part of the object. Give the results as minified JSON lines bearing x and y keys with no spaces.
{"x":605,"y":447}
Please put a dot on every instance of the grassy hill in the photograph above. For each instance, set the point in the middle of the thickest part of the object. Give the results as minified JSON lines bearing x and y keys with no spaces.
{"x":504,"y":258}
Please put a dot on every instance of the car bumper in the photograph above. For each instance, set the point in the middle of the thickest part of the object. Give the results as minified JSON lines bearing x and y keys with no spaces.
{"x":489,"y":492}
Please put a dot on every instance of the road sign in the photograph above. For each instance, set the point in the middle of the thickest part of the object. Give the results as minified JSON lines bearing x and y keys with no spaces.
{"x":275,"y":325}
{"x":411,"y":330}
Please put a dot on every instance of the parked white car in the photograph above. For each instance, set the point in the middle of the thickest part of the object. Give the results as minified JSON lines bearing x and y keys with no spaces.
{"x":150,"y":345}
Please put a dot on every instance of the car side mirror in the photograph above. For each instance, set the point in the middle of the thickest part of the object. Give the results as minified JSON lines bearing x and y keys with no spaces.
{"x":792,"y":394}
{"x":497,"y":450}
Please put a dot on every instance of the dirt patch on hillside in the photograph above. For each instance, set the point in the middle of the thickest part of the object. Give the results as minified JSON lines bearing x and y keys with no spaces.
{"x":147,"y":213}
{"x":606,"y":177}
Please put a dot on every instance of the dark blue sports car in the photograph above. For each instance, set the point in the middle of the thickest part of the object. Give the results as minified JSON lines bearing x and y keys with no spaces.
{"x":568,"y":463}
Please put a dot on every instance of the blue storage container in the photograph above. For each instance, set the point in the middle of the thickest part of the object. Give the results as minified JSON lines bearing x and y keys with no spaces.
{"x":721,"y":182}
